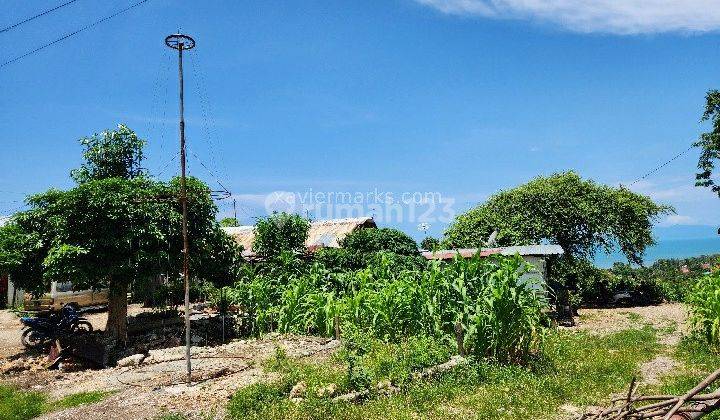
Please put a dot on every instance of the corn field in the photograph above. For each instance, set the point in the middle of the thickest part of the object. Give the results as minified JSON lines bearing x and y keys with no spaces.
{"x":501,"y":316}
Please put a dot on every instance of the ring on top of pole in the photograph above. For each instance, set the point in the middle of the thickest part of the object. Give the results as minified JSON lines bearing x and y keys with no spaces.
{"x":176,"y":40}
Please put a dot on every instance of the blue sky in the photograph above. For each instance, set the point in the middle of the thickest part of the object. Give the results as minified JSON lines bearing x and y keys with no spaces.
{"x":457,"y":99}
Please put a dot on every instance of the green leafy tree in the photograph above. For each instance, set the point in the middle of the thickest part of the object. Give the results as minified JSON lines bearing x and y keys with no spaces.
{"x":709,"y":143}
{"x":111,"y":154}
{"x":113,"y":233}
{"x":429,"y":243}
{"x":583,"y":217}
{"x":368,"y":241}
{"x":280,"y":233}
{"x":229,"y":222}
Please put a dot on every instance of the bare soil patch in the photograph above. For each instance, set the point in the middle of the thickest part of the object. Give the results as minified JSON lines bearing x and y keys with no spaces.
{"x":669,"y":319}
{"x":157,"y":385}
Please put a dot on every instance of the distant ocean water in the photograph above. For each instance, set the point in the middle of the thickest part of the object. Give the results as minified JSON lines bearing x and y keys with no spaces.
{"x":665,"y":249}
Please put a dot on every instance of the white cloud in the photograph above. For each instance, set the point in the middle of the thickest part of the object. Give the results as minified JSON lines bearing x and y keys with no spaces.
{"x":674,"y":191}
{"x":605,"y":16}
{"x":694,"y":205}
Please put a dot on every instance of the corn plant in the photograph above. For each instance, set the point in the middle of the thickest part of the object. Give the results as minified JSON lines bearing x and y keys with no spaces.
{"x":704,"y":305}
{"x":501,"y":315}
{"x":506,"y":324}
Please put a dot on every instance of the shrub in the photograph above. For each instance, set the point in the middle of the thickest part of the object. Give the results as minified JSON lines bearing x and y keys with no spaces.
{"x":338,"y":259}
{"x":430,"y":244}
{"x":229,"y":222}
{"x":704,"y":303}
{"x":280,"y":232}
{"x":368,"y":241}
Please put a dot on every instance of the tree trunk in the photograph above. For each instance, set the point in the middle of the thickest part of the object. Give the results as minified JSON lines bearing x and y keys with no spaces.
{"x":117,"y":310}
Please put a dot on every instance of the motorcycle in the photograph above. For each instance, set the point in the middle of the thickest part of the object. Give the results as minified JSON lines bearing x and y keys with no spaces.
{"x":40,"y":331}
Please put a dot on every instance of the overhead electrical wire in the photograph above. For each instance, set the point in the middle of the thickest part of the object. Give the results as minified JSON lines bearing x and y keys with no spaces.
{"x":13,"y":26}
{"x":66,"y":36}
{"x":225,"y":192}
{"x":661,"y":166}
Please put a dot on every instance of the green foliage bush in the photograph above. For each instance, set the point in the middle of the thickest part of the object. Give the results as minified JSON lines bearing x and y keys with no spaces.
{"x":394,"y":362}
{"x":664,"y":280}
{"x":280,"y":233}
{"x":369,"y":241}
{"x":704,"y":303}
{"x":339,"y":259}
{"x":430,"y":244}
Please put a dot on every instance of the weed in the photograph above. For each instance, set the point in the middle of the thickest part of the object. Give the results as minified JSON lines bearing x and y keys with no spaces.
{"x":81,"y":398}
{"x":570,"y":362}
{"x":20,"y":405}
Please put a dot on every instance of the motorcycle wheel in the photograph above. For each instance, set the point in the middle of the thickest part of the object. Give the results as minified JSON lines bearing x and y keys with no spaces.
{"x":82,"y":327}
{"x":32,"y":339}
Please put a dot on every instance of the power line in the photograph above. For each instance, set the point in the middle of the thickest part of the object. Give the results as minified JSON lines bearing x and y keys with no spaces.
{"x":167,"y":165}
{"x":661,"y":166}
{"x":64,"y":37}
{"x":36,"y":16}
{"x":224,"y":189}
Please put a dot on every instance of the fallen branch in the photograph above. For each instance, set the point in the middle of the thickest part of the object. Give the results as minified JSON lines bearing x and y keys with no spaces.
{"x":702,"y":385}
{"x":691,"y":405}
{"x":387,"y":388}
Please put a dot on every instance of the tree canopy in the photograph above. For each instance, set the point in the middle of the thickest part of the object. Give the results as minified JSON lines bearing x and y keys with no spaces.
{"x":111,"y":154}
{"x":709,"y":143}
{"x":580,"y":215}
{"x":229,"y":222}
{"x":430,"y":244}
{"x":280,"y":233}
{"x":113,"y":232}
{"x":368,"y":241}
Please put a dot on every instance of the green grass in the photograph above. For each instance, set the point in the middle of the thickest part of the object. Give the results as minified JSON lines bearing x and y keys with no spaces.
{"x":75,"y":400}
{"x":633,"y":317}
{"x":576,"y":368}
{"x":699,"y":361}
{"x":18,"y":404}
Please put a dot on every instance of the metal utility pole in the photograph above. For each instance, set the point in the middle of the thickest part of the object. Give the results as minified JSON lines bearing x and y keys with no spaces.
{"x":235,"y":210}
{"x":182,"y":42}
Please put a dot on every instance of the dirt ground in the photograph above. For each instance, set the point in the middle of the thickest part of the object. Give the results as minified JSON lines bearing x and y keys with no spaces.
{"x":669,"y":320}
{"x":156,"y":385}
{"x":11,"y":328}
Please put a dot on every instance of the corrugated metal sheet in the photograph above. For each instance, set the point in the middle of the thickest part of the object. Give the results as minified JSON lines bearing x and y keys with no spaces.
{"x":523,"y":250}
{"x":526,"y":250}
{"x":322,"y":233}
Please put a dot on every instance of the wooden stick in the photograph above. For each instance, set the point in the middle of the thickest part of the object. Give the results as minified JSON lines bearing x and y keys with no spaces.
{"x":702,"y":385}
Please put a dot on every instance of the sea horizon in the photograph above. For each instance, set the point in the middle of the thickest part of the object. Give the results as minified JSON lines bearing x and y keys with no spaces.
{"x":675,"y":248}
